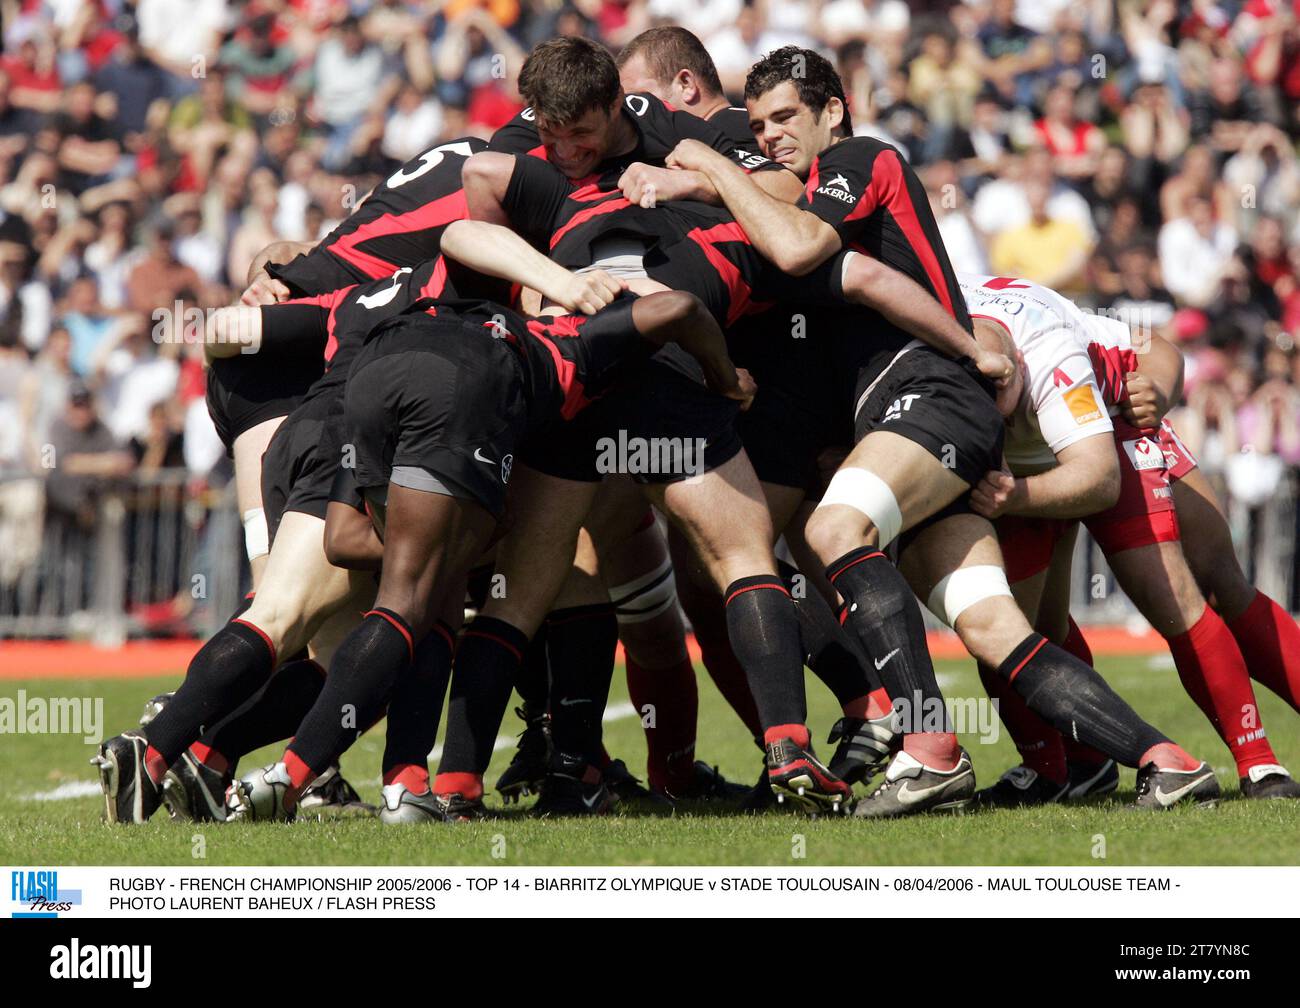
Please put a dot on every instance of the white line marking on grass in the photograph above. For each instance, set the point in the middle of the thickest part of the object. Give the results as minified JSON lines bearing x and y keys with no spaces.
{"x":615,"y":713}
{"x":69,"y":789}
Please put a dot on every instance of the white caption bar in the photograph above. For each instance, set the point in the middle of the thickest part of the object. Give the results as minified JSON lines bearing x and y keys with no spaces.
{"x":649,"y":892}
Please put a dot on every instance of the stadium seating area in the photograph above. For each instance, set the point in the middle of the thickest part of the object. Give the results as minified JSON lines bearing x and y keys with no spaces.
{"x":1140,"y":157}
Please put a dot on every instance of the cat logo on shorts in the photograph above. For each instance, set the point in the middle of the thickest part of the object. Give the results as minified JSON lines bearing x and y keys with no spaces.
{"x":1083,"y":404}
{"x":507,"y":462}
{"x":1145,"y":453}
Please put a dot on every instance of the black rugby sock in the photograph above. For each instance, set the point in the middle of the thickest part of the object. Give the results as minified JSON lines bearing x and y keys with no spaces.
{"x":764,"y":631}
{"x":581,"y":642}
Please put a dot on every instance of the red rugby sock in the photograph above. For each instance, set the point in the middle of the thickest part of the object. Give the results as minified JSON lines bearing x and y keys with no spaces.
{"x":1214,"y":674}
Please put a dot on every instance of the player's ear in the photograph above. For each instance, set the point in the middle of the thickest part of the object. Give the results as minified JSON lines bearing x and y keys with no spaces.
{"x":835,"y":110}
{"x":687,"y":84}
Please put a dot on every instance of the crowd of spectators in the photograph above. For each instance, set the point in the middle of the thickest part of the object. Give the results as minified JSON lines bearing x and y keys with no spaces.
{"x":1139,"y":156}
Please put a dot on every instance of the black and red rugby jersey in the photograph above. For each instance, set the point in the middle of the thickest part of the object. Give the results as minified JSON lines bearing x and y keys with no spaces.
{"x":873,"y":199}
{"x":351,"y":313}
{"x":659,"y":128}
{"x":568,"y":361}
{"x":399,"y":224}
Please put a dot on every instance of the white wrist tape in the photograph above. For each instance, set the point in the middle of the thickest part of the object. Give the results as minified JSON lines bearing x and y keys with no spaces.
{"x":964,"y":587}
{"x":257,"y":537}
{"x":844,"y":269}
{"x":866,"y":492}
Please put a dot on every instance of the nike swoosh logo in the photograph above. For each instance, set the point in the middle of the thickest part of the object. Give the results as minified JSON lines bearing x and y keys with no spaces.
{"x":591,"y":802}
{"x":1170,"y":797}
{"x":885,"y":660}
{"x":478,"y":454}
{"x":574,"y":703}
{"x":907,"y":795}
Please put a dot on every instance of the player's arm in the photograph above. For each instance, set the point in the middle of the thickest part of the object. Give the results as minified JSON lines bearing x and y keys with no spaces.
{"x":794,"y":240}
{"x":1085,"y":481}
{"x":498,"y":252}
{"x":681,"y":318}
{"x":900,"y":299}
{"x":646,"y":185}
{"x":262,"y":287}
{"x":1155,"y":387}
{"x":350,"y":538}
{"x":233,"y":330}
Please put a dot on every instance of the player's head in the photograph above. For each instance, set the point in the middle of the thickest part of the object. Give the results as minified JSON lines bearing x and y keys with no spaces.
{"x":672,"y":64}
{"x":796,"y":106}
{"x":992,"y":336}
{"x":572,"y":86}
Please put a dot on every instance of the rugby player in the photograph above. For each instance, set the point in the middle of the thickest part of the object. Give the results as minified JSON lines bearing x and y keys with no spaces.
{"x":437,"y":404}
{"x":304,"y":591}
{"x":924,"y":426}
{"x":1073,"y":379}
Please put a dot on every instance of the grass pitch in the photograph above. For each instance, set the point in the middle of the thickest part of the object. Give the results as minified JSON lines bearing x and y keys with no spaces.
{"x":40,"y":826}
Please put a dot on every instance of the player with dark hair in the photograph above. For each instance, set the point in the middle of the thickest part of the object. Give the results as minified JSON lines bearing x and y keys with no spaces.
{"x":924,"y":424}
{"x":437,"y":404}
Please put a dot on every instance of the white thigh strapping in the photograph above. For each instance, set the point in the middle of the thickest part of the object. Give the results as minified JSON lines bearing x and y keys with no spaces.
{"x":866,"y":492}
{"x":964,"y":587}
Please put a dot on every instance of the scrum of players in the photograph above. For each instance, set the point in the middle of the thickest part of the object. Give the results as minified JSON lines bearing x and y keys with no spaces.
{"x":548,"y":393}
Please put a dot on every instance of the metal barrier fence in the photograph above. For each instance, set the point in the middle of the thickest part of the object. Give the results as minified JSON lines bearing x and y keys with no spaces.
{"x":158,"y":560}
{"x":155,"y":560}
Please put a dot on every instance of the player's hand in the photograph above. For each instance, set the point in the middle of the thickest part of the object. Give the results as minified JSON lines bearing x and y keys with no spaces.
{"x":997,"y":368}
{"x":1143,"y":408}
{"x":742,"y":389}
{"x":993,"y":493}
{"x":264,"y":290}
{"x":640,"y":185}
{"x":691,"y":155}
{"x":746,"y":388}
{"x":589,"y":292}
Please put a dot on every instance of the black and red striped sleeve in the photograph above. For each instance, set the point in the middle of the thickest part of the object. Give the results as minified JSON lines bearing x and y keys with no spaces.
{"x":847,"y":181}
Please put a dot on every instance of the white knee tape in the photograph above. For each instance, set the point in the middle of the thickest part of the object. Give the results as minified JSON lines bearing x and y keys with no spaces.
{"x":257,"y":537}
{"x":964,"y":587}
{"x":645,"y":597}
{"x":866,"y":492}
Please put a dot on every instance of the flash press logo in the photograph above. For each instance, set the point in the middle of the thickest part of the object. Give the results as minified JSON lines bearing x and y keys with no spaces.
{"x":37,"y":894}
{"x":75,"y":961}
